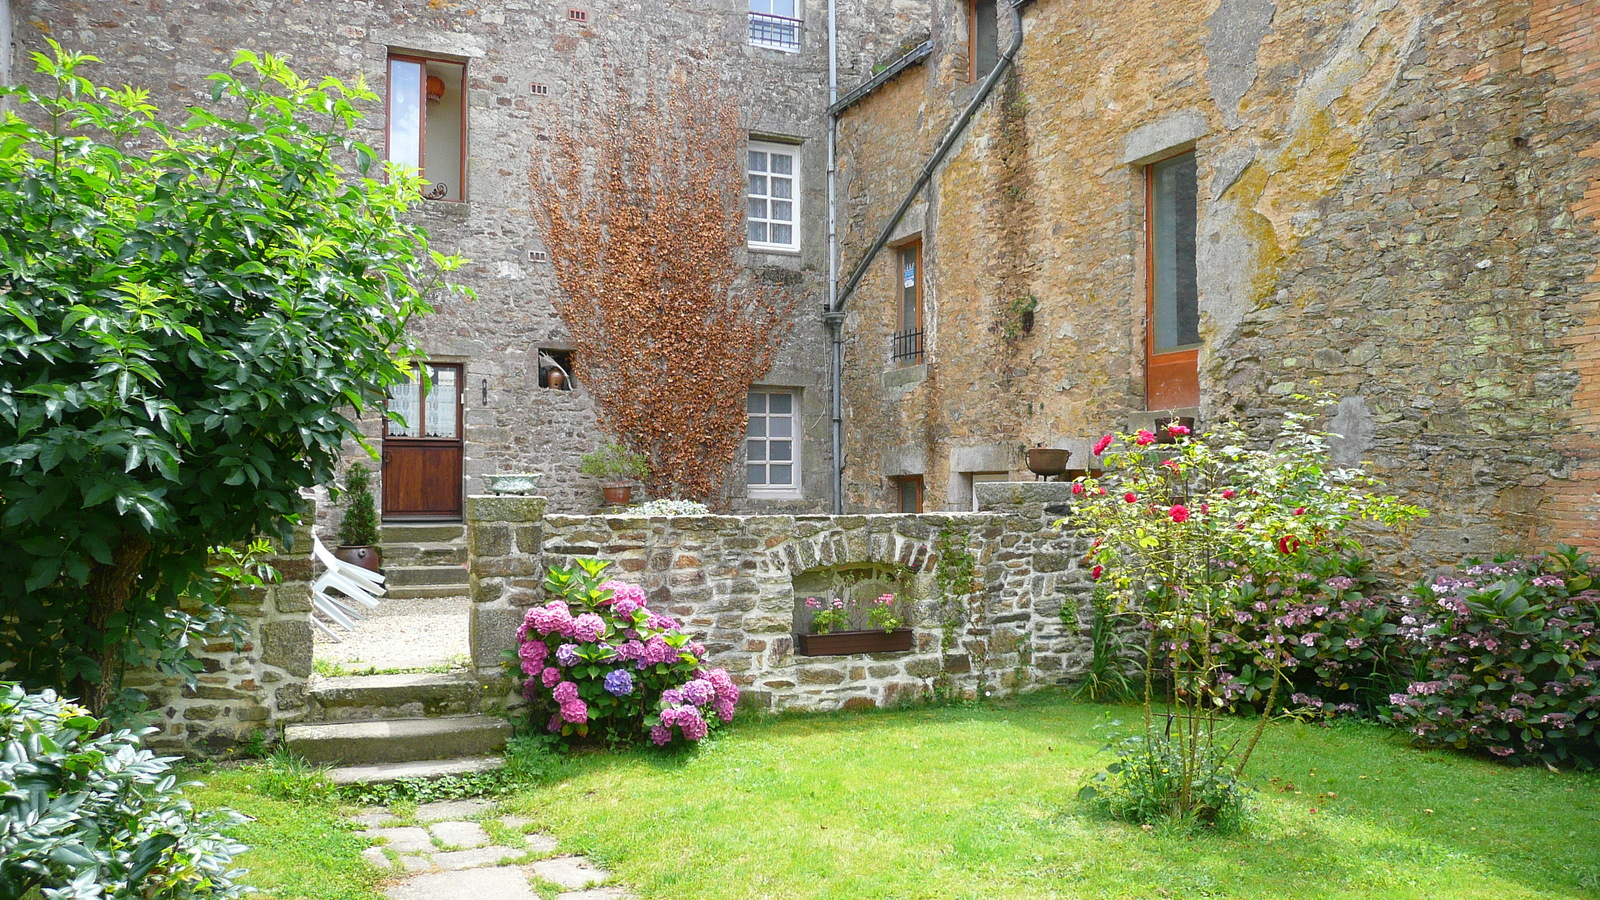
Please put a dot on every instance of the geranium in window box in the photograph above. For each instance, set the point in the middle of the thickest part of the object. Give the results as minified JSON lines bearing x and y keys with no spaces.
{"x":844,"y":643}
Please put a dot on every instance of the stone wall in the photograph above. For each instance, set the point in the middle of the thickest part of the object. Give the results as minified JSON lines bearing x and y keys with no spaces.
{"x":733,"y":581}
{"x":249,"y":691}
{"x":1398,"y":203}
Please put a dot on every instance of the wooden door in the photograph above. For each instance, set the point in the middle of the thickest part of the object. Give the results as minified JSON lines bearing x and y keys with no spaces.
{"x":422,"y":456}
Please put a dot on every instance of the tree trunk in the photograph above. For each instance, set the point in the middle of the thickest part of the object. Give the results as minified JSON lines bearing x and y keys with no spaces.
{"x":109,"y":589}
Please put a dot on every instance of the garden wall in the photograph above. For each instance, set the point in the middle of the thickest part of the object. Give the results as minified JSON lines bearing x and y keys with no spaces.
{"x":254,"y":688}
{"x":737,"y":582}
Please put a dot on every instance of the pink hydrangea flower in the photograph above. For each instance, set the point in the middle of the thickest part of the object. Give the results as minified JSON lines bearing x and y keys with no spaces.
{"x":661,"y":735}
{"x":551,"y":677}
{"x":565,"y":692}
{"x":588,"y":628}
{"x":575,"y":711}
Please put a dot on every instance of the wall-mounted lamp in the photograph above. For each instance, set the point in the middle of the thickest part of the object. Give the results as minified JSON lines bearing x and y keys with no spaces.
{"x":486,"y":392}
{"x":435,"y":88}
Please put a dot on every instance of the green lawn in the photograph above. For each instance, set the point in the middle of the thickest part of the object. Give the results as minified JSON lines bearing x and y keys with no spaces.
{"x":979,"y":803}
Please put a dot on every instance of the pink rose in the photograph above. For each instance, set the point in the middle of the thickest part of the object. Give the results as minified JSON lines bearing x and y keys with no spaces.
{"x":1077,"y":488}
{"x":1131,"y":497}
{"x":1101,"y":445}
{"x":1144,"y":438}
{"x":1300,"y":510}
{"x":1179,"y":513}
{"x":1227,"y":493}
{"x":1176,"y":429}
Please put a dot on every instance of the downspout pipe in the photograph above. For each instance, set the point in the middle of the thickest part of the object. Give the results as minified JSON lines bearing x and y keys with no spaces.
{"x":833,"y":316}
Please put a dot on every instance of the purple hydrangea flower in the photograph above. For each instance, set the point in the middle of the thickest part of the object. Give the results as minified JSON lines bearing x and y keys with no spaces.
{"x":567,"y":654}
{"x":699,"y":692}
{"x":672,"y":696}
{"x":588,"y":628}
{"x":619,"y":682}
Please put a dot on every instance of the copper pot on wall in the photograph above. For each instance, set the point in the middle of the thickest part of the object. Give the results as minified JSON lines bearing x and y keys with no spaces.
{"x":617,"y":494}
{"x":1047,"y":461}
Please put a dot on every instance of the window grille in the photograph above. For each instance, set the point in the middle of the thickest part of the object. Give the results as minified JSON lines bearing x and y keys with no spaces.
{"x":779,"y":32}
{"x":906,"y":346}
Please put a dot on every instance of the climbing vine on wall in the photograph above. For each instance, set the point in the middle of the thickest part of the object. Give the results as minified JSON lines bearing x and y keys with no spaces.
{"x":641,"y":203}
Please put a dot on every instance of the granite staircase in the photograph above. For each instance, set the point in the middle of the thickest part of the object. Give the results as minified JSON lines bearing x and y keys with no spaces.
{"x":377,"y":728}
{"x":425,"y":560}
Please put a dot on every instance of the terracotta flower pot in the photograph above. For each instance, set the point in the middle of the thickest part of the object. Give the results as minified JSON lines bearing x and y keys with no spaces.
{"x":843,"y":643}
{"x":368,"y":558}
{"x":617,"y":494}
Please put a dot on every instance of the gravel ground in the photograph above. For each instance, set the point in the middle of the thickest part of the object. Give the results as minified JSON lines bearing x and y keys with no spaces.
{"x":402,"y":634}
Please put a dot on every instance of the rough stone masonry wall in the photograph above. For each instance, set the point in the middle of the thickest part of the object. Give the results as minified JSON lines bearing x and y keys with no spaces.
{"x":730,"y":579}
{"x":511,"y":424}
{"x":1398,"y":202}
{"x":249,"y":691}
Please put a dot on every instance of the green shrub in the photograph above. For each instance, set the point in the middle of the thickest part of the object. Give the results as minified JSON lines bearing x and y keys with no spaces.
{"x":1511,"y":651}
{"x":614,"y":462}
{"x":90,"y":817}
{"x":1146,"y":785}
{"x":359,"y":527}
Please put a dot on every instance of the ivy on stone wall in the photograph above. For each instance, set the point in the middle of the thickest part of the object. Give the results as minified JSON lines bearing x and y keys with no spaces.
{"x":641,"y":208}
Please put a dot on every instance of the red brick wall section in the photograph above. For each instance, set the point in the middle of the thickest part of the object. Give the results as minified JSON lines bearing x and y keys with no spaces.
{"x":1564,"y":41}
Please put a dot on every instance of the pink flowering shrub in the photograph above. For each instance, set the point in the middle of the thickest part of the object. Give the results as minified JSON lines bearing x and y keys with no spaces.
{"x":1511,"y":655}
{"x":598,"y":663}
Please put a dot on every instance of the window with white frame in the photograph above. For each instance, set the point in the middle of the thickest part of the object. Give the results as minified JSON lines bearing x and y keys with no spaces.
{"x":775,"y":24}
{"x":772,"y":455}
{"x":773,"y":219}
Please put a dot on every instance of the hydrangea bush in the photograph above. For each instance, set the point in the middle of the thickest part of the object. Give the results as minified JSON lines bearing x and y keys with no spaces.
{"x":1511,"y":655}
{"x":600,"y":664}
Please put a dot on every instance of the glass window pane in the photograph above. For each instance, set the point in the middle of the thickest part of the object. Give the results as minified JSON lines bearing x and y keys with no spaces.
{"x":758,"y":208}
{"x":783,"y":187}
{"x":758,"y":232}
{"x":756,"y":475}
{"x":755,"y":402}
{"x":756,"y":451}
{"x":782,"y":210}
{"x":1174,"y":186}
{"x":757,"y":427}
{"x":405,"y":400}
{"x":782,"y":403}
{"x":758,"y":163}
{"x":782,"y":451}
{"x":781,"y":426}
{"x":782,"y":164}
{"x":758,"y":185}
{"x":441,"y":400}
{"x":783,"y":8}
{"x":780,"y":475}
{"x":405,"y":112}
{"x":783,"y":234}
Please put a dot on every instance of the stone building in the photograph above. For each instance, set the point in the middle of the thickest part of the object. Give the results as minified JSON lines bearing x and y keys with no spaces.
{"x":1199,"y":207}
{"x":502,"y":71}
{"x":1203,"y":207}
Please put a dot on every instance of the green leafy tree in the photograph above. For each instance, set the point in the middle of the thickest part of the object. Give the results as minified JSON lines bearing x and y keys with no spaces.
{"x":187,"y":314}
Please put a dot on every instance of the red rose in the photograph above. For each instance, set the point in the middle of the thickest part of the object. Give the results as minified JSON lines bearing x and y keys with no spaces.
{"x":1177,"y":429}
{"x":1100,"y":491}
{"x":1095,"y":572}
{"x":1300,"y":510}
{"x":1288,"y":544}
{"x":1131,"y":497}
{"x":1101,"y":445}
{"x":1077,"y":488}
{"x":1144,"y":438}
{"x":1227,"y":493}
{"x":1179,"y":513}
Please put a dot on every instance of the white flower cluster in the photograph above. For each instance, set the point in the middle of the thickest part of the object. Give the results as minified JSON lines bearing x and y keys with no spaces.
{"x":665,"y":507}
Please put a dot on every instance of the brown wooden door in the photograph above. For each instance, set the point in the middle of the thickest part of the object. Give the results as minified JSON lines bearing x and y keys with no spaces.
{"x":422,"y":456}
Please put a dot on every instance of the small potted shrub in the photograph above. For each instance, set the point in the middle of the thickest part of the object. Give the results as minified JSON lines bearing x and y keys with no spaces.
{"x":358,"y":529}
{"x":617,"y":467}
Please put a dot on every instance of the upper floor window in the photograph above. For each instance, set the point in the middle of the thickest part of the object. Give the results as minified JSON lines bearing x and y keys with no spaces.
{"x":983,"y":38}
{"x":775,"y":23}
{"x":428,"y":122}
{"x":1172,"y":379}
{"x":772,"y":463}
{"x":773,"y":221}
{"x":907,"y":343}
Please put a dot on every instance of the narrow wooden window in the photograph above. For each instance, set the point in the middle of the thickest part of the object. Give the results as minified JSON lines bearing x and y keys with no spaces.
{"x":908,"y":336}
{"x":1172,"y":379}
{"x":427,"y":130}
{"x":983,"y":38}
{"x":909,"y":493}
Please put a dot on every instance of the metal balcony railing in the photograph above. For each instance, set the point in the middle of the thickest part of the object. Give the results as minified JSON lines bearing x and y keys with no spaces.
{"x":780,"y":32}
{"x":906,"y":347}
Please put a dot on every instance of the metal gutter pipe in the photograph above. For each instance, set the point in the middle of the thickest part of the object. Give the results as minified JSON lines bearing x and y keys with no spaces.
{"x":834,"y":314}
{"x":834,"y":321}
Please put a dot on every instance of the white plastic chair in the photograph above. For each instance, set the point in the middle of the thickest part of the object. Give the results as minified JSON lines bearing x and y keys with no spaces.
{"x":352,"y":583}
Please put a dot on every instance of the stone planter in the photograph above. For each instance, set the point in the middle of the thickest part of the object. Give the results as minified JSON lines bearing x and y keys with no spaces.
{"x":844,"y":643}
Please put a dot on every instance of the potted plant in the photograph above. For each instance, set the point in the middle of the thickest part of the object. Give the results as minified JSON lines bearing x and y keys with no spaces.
{"x":358,"y":529}
{"x":831,"y":621}
{"x":616,"y":466}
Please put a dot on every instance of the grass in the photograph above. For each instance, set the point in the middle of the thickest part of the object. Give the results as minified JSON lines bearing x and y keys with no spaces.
{"x":336,"y":669}
{"x":980,"y":803}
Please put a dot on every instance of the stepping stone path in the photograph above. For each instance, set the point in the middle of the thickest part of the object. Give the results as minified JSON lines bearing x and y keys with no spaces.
{"x":449,"y":855}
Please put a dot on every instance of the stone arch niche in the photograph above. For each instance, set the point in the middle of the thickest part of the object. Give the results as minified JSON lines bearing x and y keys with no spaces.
{"x":858,"y":583}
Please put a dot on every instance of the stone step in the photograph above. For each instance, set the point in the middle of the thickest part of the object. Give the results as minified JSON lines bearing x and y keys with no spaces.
{"x":368,"y":697}
{"x":430,"y":553}
{"x":423,"y":532}
{"x":409,"y":576}
{"x":397,"y":740}
{"x":383,"y":774}
{"x":428,"y":591}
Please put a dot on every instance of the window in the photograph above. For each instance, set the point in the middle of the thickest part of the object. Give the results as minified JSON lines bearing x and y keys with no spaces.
{"x":775,"y":23}
{"x":773,"y":219}
{"x":428,"y":411}
{"x":909,"y":490}
{"x":772,"y":463}
{"x":427,"y":122}
{"x":906,"y":347}
{"x":983,"y":38}
{"x":1172,"y":379}
{"x":976,"y":478}
{"x":555,"y":369}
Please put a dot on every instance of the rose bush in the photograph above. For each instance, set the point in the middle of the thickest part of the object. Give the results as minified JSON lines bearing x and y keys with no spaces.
{"x":1511,"y":652}
{"x":600,"y":664}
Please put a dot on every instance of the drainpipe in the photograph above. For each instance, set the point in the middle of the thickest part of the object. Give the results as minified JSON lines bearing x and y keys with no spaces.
{"x":834,"y":314}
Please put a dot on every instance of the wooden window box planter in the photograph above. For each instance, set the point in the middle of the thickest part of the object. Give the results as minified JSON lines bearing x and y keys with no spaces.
{"x":844,"y":643}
